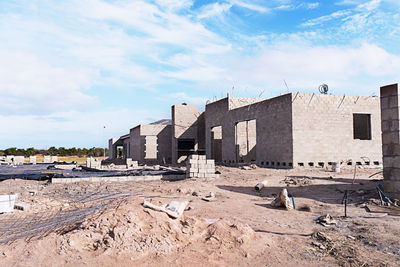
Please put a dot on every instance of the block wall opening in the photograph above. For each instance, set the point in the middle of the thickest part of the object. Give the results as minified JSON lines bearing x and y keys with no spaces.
{"x":362,"y":126}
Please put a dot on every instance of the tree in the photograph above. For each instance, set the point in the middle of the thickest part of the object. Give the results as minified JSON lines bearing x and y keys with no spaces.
{"x":10,"y":151}
{"x":30,"y":152}
{"x":52,"y":151}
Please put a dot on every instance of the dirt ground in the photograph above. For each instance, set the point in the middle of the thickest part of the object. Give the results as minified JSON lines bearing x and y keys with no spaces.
{"x":240,"y":228}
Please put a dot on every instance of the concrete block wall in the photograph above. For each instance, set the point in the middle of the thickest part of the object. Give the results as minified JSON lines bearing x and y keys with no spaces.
{"x":197,"y":166}
{"x":323,"y":129}
{"x":112,"y":153}
{"x":391,"y":138}
{"x":185,"y":125}
{"x":269,"y":124}
{"x":151,"y":144}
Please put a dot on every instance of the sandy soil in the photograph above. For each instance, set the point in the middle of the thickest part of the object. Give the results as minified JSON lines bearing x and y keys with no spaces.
{"x":240,"y":228}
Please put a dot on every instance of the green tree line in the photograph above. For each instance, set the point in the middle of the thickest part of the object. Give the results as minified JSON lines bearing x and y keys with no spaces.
{"x":53,"y":151}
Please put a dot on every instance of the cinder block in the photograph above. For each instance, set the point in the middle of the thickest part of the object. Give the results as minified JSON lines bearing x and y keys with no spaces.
{"x":194,"y":165}
{"x":194,"y":157}
{"x":391,"y":149}
{"x":202,"y":170}
{"x":390,"y":137}
{"x":394,"y":101}
{"x":391,"y":186}
{"x":210,"y":170}
{"x":385,"y":102}
{"x":202,"y":161}
{"x":389,"y":90}
{"x":192,"y":161}
{"x":390,"y":114}
{"x":390,"y":126}
{"x":202,"y":157}
{"x":210,"y":161}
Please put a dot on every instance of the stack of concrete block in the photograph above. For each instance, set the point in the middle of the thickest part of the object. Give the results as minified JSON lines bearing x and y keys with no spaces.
{"x":46,"y":159}
{"x":131,"y":163}
{"x":93,"y":163}
{"x":32,"y":159}
{"x":10,"y":159}
{"x":198,"y":166}
{"x":19,"y":160}
{"x":54,"y":159}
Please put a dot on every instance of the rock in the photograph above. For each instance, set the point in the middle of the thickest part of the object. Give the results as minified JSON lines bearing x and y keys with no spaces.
{"x":196,"y":194}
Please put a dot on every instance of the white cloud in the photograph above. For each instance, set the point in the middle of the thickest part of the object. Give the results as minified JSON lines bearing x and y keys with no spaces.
{"x":79,"y":129}
{"x":31,"y":85}
{"x":370,"y":5}
{"x":312,"y":5}
{"x":288,"y":6}
{"x":348,"y":2}
{"x":284,"y":7}
{"x":250,"y":6}
{"x":175,"y":4}
{"x":214,"y":9}
{"x":182,"y":97}
{"x":322,"y":19}
{"x":305,"y":67}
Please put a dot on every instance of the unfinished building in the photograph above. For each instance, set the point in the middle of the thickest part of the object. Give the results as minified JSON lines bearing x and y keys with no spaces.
{"x":287,"y":131}
{"x":165,"y":141}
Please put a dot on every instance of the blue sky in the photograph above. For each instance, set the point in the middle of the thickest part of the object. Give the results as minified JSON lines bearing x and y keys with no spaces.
{"x":70,"y":67}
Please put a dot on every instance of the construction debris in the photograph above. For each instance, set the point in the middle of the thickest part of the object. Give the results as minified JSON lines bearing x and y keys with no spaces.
{"x":210,"y":197}
{"x":384,"y":209}
{"x":260,"y":186}
{"x":7,"y":202}
{"x":21,"y":206}
{"x":297,"y":180}
{"x":326,"y":220}
{"x":283,"y":200}
{"x":174,"y":209}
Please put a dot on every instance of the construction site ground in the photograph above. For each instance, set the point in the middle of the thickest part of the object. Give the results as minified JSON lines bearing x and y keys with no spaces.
{"x":239,"y":228}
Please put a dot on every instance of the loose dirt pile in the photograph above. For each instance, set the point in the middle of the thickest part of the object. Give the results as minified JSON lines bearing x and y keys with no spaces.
{"x":131,"y":233}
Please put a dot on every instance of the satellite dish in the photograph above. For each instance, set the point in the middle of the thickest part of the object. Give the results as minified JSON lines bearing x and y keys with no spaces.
{"x":323,"y":89}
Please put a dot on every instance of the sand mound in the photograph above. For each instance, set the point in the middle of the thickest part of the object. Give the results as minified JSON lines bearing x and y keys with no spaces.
{"x":127,"y":233}
{"x":132,"y":234}
{"x":138,"y":231}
